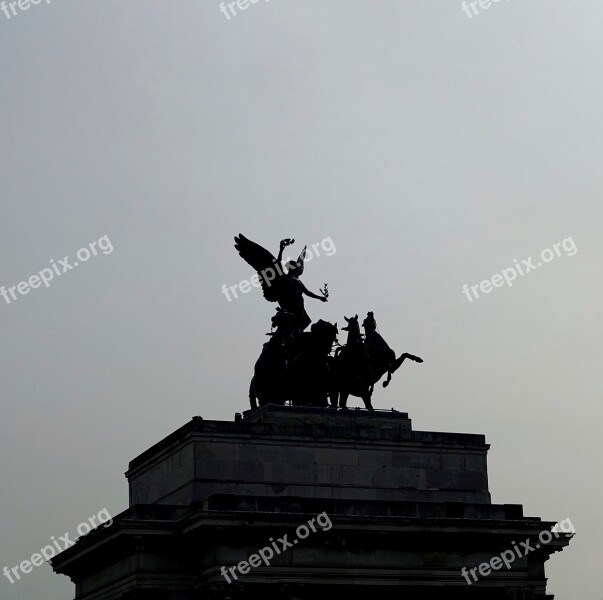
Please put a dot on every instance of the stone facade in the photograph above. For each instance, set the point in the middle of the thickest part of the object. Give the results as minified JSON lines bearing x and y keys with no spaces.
{"x":409,"y":509}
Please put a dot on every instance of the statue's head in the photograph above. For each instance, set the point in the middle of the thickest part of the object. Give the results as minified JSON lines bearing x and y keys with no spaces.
{"x":295,"y":269}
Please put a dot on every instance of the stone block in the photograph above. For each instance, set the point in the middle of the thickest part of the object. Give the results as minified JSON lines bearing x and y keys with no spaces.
{"x":336,"y":456}
{"x":475,"y":462}
{"x":436,"y":478}
{"x":374,"y":458}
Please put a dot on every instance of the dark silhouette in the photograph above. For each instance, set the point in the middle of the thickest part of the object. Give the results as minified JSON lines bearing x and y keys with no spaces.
{"x":352,"y":373}
{"x":361,"y":363}
{"x":294,"y":366}
{"x":311,"y":373}
{"x":278,"y":285}
{"x":297,"y":365}
{"x":269,"y":384}
{"x":382,"y":358}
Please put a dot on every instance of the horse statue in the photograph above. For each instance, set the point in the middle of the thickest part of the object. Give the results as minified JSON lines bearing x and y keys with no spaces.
{"x":362,"y":362}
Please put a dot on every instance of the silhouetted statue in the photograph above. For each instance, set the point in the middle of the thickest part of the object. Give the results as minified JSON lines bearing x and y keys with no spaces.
{"x":361,"y":363}
{"x":297,"y":365}
{"x":270,"y":382}
{"x":278,"y":285}
{"x":294,"y":367}
{"x":352,"y":372}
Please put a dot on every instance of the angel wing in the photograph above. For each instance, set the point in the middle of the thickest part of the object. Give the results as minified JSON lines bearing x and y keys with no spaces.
{"x":269,"y":271}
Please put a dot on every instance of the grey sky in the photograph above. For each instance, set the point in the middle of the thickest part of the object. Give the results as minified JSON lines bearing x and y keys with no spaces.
{"x":432,"y":148}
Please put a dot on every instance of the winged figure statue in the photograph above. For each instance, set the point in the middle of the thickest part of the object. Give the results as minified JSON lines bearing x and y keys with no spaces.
{"x":277,"y":284}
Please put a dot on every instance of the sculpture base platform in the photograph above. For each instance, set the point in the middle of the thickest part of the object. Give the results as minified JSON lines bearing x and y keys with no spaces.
{"x":408,"y":509}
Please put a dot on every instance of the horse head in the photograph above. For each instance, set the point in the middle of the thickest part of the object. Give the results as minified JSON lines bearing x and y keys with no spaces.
{"x":353,"y":329}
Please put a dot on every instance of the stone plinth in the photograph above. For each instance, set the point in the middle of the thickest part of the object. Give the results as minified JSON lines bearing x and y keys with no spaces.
{"x":312,"y":453}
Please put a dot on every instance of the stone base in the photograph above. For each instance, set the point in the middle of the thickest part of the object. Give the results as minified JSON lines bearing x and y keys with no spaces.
{"x":408,"y":510}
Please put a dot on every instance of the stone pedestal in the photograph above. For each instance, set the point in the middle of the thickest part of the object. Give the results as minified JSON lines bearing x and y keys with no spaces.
{"x":408,"y":509}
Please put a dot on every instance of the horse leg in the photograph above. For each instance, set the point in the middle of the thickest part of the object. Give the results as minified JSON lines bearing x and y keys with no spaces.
{"x":334,"y":398}
{"x":402,"y":358}
{"x":395,"y":365}
{"x":366,"y":398}
{"x":343,"y":399}
{"x":389,"y":378}
{"x":397,"y":362}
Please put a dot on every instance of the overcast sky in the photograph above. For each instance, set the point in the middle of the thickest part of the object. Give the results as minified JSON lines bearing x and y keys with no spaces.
{"x":432,"y":148}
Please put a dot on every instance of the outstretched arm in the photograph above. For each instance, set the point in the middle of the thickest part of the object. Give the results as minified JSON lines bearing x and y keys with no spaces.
{"x":313,"y":295}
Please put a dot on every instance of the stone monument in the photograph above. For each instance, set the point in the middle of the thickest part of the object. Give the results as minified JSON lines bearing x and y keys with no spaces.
{"x":301,"y":497}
